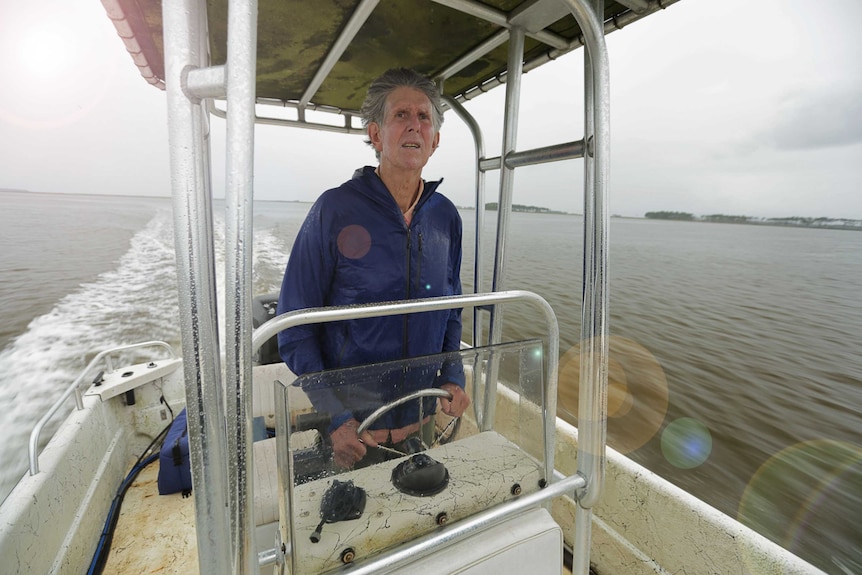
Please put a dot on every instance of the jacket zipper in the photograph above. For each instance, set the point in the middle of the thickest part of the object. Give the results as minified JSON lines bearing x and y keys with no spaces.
{"x":419,"y":263}
{"x":409,"y":252}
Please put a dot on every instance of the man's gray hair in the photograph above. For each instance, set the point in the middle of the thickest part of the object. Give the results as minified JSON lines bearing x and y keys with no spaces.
{"x":374,"y":107}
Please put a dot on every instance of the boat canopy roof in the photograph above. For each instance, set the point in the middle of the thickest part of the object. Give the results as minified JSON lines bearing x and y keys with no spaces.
{"x":324,"y":54}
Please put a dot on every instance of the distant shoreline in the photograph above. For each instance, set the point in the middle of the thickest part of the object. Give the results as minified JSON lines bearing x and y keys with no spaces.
{"x":822,"y":223}
{"x":82,"y":194}
{"x":520,"y":208}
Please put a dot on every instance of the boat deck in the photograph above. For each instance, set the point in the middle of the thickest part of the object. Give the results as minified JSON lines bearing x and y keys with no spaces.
{"x":165,"y":522}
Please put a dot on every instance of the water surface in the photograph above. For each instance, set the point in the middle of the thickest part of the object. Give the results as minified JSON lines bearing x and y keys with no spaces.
{"x":735,"y":351}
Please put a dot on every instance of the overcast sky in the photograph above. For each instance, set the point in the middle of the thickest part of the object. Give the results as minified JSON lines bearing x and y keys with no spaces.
{"x":748,"y":107}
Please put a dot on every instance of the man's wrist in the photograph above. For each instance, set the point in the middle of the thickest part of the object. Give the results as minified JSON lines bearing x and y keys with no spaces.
{"x":340,"y":419}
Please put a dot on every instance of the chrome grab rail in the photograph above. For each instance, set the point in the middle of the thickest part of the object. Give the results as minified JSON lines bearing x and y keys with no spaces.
{"x":427,"y":544}
{"x":79,"y":402}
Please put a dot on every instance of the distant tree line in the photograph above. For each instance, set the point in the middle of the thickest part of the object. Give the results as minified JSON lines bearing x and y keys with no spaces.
{"x":725,"y":219}
{"x":821,"y":222}
{"x":670,"y":216}
{"x":522,"y":208}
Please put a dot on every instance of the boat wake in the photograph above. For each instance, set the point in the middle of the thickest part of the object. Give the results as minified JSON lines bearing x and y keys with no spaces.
{"x":135,"y":302}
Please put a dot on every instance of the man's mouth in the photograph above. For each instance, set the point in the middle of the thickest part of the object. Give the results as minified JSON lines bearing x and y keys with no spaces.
{"x":411,"y":146}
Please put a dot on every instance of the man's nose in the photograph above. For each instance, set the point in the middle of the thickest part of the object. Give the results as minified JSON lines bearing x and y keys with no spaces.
{"x":413,"y":123}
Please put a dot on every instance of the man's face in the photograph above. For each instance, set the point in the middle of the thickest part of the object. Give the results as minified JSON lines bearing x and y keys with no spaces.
{"x":407,"y":137}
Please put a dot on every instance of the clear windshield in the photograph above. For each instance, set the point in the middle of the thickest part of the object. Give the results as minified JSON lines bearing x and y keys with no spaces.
{"x":427,"y":469}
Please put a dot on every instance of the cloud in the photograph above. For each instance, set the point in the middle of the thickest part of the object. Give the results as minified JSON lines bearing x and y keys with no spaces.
{"x":828,"y":118}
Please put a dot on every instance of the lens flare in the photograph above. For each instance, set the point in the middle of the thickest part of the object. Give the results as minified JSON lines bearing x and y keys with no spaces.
{"x":637,"y":393}
{"x":354,"y":242}
{"x":686,"y":443}
{"x":55,"y":74}
{"x":795,"y":489}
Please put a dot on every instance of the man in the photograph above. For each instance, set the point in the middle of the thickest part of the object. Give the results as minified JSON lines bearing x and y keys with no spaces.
{"x":384,"y":235}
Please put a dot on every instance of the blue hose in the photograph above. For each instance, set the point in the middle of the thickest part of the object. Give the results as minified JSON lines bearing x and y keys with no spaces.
{"x":101,"y":556}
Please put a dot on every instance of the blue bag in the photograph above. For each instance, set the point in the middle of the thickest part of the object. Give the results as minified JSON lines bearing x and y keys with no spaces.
{"x":174,"y":467}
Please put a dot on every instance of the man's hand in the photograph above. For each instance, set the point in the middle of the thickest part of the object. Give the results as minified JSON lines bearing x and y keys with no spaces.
{"x":346,"y":445}
{"x":348,"y":448}
{"x":459,"y":403}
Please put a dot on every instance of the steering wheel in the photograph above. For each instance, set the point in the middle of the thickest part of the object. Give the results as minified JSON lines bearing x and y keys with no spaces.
{"x":428,"y":392}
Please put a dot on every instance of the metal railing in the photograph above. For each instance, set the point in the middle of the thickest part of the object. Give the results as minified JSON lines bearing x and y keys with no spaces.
{"x":489,"y":517}
{"x":337,"y":313}
{"x":79,"y":401}
{"x":424,"y":546}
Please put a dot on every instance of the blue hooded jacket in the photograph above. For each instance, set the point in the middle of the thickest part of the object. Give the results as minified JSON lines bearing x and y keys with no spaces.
{"x":353,"y":248}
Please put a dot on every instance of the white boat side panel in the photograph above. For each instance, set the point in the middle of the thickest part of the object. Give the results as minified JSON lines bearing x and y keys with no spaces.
{"x":51,"y":521}
{"x":127,"y":378}
{"x":529,"y":543}
{"x":646,"y":525}
{"x":86,"y":526}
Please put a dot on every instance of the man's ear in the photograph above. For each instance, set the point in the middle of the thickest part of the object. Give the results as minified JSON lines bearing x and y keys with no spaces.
{"x":374,"y":136}
{"x":435,"y":143}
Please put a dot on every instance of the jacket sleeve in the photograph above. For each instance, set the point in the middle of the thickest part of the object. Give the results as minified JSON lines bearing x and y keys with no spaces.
{"x":301,"y":288}
{"x":306,"y":285}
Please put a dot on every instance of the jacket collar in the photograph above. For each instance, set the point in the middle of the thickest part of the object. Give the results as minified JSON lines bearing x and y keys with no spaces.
{"x":372,"y":186}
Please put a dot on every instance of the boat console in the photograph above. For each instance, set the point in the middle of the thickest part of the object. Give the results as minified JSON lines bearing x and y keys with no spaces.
{"x":330,"y":516}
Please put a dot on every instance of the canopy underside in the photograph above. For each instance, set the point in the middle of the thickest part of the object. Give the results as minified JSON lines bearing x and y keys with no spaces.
{"x":323,"y":54}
